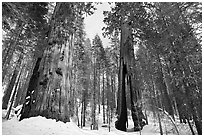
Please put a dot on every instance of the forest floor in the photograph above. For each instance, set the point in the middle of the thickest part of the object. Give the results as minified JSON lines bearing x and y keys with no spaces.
{"x":42,"y":126}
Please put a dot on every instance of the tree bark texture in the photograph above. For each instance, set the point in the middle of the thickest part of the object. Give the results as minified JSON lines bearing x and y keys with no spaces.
{"x":50,"y":90}
{"x":127,"y":62}
{"x":25,"y":112}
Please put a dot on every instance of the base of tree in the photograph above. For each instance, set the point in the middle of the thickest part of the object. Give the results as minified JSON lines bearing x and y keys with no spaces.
{"x":138,"y":128}
{"x":120,"y":125}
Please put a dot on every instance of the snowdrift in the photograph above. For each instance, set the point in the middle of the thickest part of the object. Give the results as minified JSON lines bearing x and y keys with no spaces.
{"x":43,"y":126}
{"x":39,"y":126}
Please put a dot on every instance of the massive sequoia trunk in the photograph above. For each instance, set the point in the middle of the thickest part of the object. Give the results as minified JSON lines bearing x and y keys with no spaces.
{"x":25,"y":112}
{"x":122,"y":119}
{"x":49,"y":92}
{"x":126,"y":71}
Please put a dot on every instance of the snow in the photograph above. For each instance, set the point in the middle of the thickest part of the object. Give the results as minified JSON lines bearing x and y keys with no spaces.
{"x":39,"y":126}
{"x":27,"y":97}
{"x":42,"y":126}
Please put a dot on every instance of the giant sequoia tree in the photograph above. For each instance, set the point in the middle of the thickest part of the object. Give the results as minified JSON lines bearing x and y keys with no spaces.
{"x":127,"y":75}
{"x":167,"y":33}
{"x":50,"y":97}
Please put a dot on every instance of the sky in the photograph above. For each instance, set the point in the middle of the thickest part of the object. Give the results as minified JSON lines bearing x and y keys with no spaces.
{"x":94,"y":23}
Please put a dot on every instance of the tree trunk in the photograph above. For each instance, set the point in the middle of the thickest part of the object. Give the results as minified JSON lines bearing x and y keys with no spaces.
{"x":198,"y":123}
{"x":156,"y":103}
{"x":136,"y":111}
{"x":170,"y":117}
{"x":127,"y":62}
{"x":94,"y":124}
{"x":99,"y":104}
{"x":107,"y":97}
{"x":77,"y":113}
{"x":9,"y":89}
{"x":13,"y":96}
{"x":118,"y":109}
{"x":189,"y":94}
{"x":8,"y":56}
{"x":112,"y":100}
{"x":23,"y":84}
{"x":122,"y":119}
{"x":190,"y":126}
{"x":51,"y":88}
{"x":11,"y":84}
{"x":25,"y":112}
{"x":164,"y":88}
{"x":160,"y":125}
{"x":103,"y":101}
{"x":84,"y":113}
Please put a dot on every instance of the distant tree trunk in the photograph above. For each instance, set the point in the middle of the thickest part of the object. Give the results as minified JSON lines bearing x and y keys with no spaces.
{"x":94,"y":123}
{"x":13,"y":96}
{"x":6,"y":66}
{"x":160,"y":125}
{"x":83,"y":109}
{"x":19,"y":90}
{"x":82,"y":112}
{"x":84,"y":105}
{"x":77,"y":113}
{"x":156,"y":104}
{"x":146,"y":117}
{"x":167,"y":80}
{"x":108,"y":97}
{"x":9,"y":89}
{"x":99,"y":104}
{"x":164,"y":88}
{"x":108,"y":104}
{"x":112,"y":104}
{"x":189,"y":93}
{"x":85,"y":98}
{"x":9,"y":54}
{"x":190,"y":126}
{"x":103,"y":100}
{"x":198,"y":123}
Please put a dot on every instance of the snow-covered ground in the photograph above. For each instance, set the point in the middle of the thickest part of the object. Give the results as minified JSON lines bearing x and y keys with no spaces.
{"x":42,"y":126}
